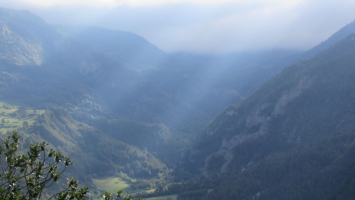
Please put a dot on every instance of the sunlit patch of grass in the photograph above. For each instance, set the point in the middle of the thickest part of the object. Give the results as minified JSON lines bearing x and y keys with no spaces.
{"x":40,"y":112}
{"x":111,"y":184}
{"x":170,"y":197}
{"x":7,"y":111}
{"x":149,"y":191}
{"x":9,"y":121}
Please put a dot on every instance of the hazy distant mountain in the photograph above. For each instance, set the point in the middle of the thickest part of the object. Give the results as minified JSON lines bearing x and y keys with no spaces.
{"x":117,"y":104}
{"x":292,"y":138}
{"x":40,"y":69}
{"x":261,"y":74}
{"x":124,"y":47}
{"x":25,"y":38}
{"x":336,"y":37}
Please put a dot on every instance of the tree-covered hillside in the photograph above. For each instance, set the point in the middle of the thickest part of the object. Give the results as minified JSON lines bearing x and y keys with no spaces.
{"x":293,"y":138}
{"x":130,"y":115}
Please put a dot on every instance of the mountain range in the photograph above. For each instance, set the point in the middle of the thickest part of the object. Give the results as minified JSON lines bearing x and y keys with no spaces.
{"x":260,"y":125}
{"x":293,"y":138}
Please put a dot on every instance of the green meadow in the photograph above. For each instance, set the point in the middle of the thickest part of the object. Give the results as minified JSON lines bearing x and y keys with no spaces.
{"x":111,"y":184}
{"x":14,"y":118}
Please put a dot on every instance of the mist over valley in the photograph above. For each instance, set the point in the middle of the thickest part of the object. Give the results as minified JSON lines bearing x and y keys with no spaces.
{"x":273,"y":122}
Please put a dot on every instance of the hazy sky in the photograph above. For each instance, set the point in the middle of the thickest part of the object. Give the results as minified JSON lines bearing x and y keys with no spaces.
{"x":205,"y":25}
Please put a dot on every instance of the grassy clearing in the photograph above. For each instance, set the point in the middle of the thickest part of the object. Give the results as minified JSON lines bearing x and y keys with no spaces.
{"x":170,"y":197}
{"x":14,"y":118}
{"x":150,"y":191}
{"x":111,"y":184}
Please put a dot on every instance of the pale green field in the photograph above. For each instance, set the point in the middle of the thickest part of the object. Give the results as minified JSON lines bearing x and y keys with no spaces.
{"x":150,"y":191}
{"x":11,"y":122}
{"x":172,"y":197}
{"x":111,"y":184}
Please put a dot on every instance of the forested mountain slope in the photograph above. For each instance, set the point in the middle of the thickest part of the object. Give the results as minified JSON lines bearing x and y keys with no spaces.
{"x":133,"y":113}
{"x":46,"y":78}
{"x":293,"y":138}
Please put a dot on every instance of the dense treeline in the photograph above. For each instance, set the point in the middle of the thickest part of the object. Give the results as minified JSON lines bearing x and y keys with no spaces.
{"x":291,"y":139}
{"x":319,"y":170}
{"x":322,"y":169}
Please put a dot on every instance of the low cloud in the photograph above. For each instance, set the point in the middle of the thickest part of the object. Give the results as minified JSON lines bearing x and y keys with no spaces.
{"x":206,"y":26}
{"x":114,"y":3}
